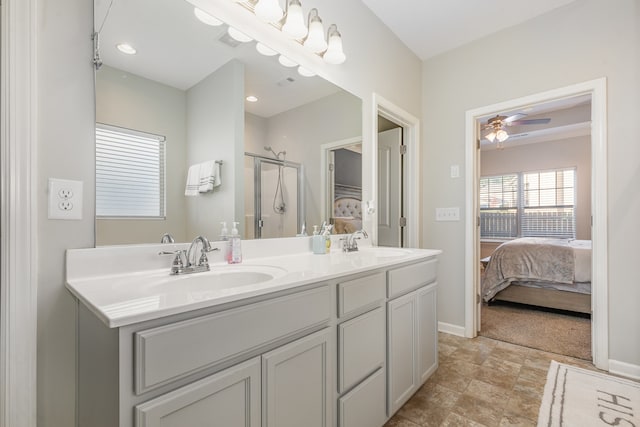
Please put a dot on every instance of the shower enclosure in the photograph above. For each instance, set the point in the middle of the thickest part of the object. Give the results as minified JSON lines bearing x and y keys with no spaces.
{"x":274,"y":200}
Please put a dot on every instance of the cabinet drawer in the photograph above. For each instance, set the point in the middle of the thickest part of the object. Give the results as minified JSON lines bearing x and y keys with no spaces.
{"x":357,"y":294}
{"x":169,"y":352}
{"x":361,"y":350}
{"x":364,"y":405}
{"x":406,"y":279}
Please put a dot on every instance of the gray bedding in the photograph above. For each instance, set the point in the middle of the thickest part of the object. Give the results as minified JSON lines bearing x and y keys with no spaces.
{"x":529,"y":259}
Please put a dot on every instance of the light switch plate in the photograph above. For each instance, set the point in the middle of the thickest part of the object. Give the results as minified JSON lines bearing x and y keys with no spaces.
{"x":455,"y":171}
{"x":448,"y":214}
{"x":65,"y":199}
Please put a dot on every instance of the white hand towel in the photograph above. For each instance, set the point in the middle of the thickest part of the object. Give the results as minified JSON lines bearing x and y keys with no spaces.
{"x":209,"y":176}
{"x":193,"y":181}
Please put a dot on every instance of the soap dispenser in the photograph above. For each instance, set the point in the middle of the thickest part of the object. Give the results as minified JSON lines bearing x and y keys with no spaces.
{"x":224,"y":237}
{"x":317,"y":241}
{"x":235,"y":246}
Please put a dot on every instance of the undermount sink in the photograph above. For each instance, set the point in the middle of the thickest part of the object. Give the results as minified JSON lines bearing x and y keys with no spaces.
{"x":384,"y":252}
{"x":220,"y":277}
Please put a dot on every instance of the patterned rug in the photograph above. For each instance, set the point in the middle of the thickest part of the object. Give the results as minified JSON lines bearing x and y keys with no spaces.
{"x":579,"y":397}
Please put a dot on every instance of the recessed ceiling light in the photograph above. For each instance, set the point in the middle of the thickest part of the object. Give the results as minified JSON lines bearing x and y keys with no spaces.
{"x":126,"y":48}
{"x":238,"y":35}
{"x":265,"y":50}
{"x":205,"y":18}
{"x":252,"y":98}
{"x":286,"y":61}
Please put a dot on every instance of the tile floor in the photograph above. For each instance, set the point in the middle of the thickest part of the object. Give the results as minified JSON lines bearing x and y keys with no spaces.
{"x":481,"y":382}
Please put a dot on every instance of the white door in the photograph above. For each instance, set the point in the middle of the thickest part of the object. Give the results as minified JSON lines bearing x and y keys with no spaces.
{"x":389,"y":187}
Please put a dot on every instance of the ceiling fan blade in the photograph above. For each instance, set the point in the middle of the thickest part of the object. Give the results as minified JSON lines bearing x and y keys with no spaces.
{"x":530,"y":122}
{"x":516,"y":116}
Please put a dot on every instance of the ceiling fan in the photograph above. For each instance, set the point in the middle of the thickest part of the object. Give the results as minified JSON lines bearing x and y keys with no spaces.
{"x":496,"y":126}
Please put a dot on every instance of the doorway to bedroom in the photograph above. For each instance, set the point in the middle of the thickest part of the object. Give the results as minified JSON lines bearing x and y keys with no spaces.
{"x":532,"y":174}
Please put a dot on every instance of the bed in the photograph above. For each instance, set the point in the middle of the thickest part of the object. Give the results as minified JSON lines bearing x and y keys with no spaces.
{"x":347,"y":215}
{"x":552,"y":273}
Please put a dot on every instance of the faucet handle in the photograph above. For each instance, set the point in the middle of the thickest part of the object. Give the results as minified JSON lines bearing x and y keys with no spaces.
{"x":178,"y":264}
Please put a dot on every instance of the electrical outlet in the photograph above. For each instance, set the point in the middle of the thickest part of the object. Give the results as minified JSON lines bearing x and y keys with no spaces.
{"x":448,"y":214}
{"x":65,"y":199}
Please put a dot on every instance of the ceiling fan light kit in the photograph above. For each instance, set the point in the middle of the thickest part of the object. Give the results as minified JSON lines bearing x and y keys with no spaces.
{"x":497,"y":124}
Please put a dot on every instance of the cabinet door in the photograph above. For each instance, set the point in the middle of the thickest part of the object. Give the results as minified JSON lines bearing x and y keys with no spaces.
{"x":296,"y":383}
{"x":228,"y":398}
{"x":402,"y":344}
{"x":427,"y":332}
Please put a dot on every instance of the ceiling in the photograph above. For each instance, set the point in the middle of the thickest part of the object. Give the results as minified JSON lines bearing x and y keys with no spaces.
{"x":431,"y":27}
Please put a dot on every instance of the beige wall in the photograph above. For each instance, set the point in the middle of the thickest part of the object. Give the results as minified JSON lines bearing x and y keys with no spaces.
{"x":377,"y":62}
{"x":585,"y":40}
{"x":130,"y":101}
{"x":568,"y":153}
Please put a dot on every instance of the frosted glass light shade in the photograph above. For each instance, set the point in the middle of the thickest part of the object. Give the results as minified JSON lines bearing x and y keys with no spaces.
{"x":294,"y":25}
{"x":315,"y":42}
{"x":491,"y":136}
{"x":268,"y":10}
{"x":501,"y":135}
{"x":265,"y":50}
{"x":205,"y":18}
{"x":238,"y":35}
{"x":283,"y":60}
{"x":334,"y":53}
{"x":305,"y":72}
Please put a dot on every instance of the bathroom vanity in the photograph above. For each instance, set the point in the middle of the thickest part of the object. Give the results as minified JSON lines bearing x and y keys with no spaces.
{"x":292,"y":339}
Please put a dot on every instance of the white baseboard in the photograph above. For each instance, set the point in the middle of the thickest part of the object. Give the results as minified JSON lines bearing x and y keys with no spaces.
{"x":625,"y":369}
{"x":448,"y":328}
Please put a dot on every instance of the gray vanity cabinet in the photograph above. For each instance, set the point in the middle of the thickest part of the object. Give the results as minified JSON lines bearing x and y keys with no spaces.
{"x":412,"y":329}
{"x":228,"y":398}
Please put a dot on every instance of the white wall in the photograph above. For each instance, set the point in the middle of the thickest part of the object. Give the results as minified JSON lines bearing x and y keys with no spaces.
{"x":215,"y":129}
{"x":568,"y":153}
{"x":584,"y":40}
{"x":130,"y":101}
{"x":377,"y":62}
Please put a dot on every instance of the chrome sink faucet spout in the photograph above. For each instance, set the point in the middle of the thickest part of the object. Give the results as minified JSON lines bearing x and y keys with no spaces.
{"x":185,"y":261}
{"x":350,"y":244}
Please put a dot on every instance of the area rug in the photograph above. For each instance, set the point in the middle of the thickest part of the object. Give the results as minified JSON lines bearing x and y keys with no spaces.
{"x":579,"y":397}
{"x":555,"y":332}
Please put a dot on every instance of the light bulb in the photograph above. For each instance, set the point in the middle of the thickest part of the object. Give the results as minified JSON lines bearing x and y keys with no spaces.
{"x":334,"y":53}
{"x":238,"y":35}
{"x":205,"y":18}
{"x":294,"y":25}
{"x":315,"y":42}
{"x":268,"y":10}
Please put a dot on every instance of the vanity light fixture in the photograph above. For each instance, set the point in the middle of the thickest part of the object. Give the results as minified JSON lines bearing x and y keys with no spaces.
{"x":238,"y":35}
{"x":305,"y":72}
{"x":315,"y":41}
{"x":283,"y":60}
{"x":265,"y":50}
{"x":268,"y":10}
{"x":334,"y":53}
{"x":205,"y":18}
{"x":294,"y":25}
{"x":252,"y":98}
{"x":126,"y":48}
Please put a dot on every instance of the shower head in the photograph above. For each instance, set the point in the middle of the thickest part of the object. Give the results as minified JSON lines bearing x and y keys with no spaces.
{"x":276,"y":155}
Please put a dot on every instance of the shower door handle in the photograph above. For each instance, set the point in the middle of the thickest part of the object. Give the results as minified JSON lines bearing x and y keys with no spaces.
{"x":260,"y":223}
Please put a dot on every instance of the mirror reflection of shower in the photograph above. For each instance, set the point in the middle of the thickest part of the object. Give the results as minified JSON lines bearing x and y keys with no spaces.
{"x":274,"y":199}
{"x":279,"y":206}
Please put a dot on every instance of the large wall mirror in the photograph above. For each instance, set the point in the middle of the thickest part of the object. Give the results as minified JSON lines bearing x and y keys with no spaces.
{"x":178,"y":109}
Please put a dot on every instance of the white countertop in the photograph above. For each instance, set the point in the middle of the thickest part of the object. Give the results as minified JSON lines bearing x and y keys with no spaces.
{"x":123,"y":285}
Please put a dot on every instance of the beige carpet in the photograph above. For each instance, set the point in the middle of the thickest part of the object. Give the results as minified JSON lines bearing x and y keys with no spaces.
{"x":579,"y":397}
{"x":554,"y":332}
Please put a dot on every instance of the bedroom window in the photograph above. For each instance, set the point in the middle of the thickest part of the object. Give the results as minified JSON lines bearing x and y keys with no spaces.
{"x":130,"y":173}
{"x":528,"y":204}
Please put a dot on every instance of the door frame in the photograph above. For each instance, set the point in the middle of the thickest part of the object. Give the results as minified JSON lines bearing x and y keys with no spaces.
{"x":411,"y":168}
{"x":599,"y":234}
{"x":18,"y":217}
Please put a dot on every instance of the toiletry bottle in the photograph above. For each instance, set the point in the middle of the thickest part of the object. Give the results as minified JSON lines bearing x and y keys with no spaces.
{"x":326,"y":234}
{"x":317,"y":241}
{"x":224,"y":238}
{"x":235,"y":255}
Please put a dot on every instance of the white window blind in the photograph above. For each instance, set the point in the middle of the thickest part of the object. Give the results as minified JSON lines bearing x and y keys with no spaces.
{"x":528,"y":204}
{"x":130,"y":173}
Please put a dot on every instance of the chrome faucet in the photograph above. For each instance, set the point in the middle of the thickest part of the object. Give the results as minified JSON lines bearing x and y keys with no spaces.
{"x":185,"y":261}
{"x":167,"y":238}
{"x":349,"y":243}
